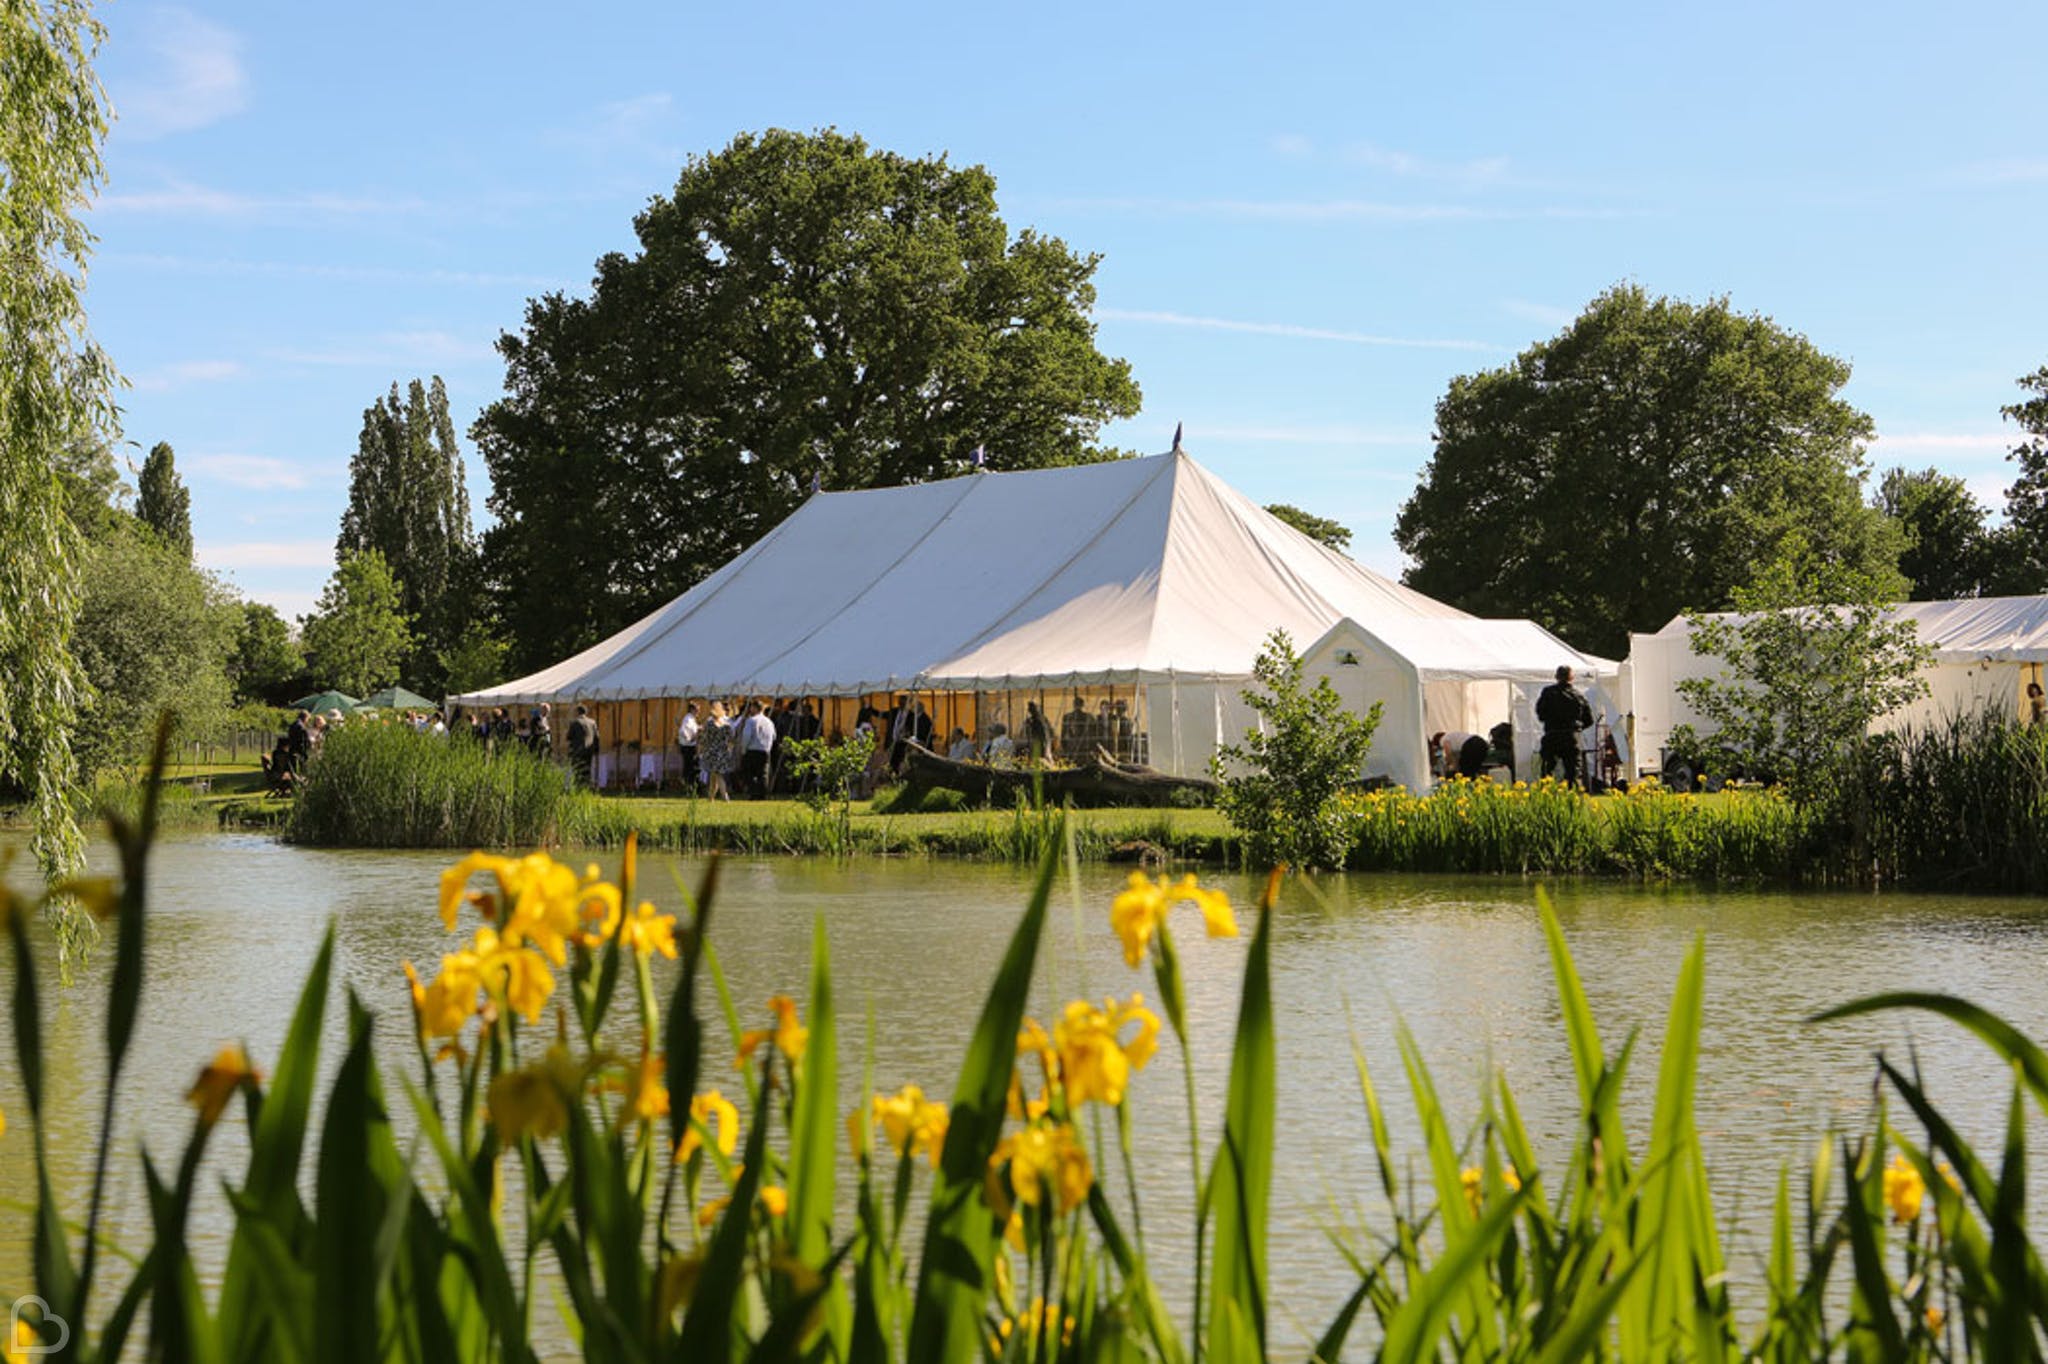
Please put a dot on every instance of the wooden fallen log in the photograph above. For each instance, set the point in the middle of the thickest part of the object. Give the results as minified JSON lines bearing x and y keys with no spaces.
{"x":1100,"y":781}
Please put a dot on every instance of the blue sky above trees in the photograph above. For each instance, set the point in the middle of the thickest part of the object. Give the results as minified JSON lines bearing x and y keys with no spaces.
{"x":1310,"y":218}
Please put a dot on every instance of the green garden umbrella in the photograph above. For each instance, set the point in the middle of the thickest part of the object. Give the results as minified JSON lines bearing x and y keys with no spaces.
{"x":397,"y":698}
{"x":323,"y":701}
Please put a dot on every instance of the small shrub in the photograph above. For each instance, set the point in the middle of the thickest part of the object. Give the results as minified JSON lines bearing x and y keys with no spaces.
{"x":1279,"y":788}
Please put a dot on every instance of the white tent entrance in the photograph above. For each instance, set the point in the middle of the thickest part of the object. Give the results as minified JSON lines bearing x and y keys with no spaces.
{"x":1449,"y":676}
{"x":1149,"y":582}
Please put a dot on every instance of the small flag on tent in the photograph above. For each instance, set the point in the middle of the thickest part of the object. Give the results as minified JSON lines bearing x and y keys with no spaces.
{"x":1176,"y":438}
{"x":817,"y":481}
{"x":979,"y":459}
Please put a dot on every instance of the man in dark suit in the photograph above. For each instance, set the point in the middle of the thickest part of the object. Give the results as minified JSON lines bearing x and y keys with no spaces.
{"x":1562,"y":712}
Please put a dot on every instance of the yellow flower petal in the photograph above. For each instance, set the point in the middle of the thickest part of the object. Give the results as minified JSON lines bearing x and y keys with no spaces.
{"x":218,"y":1082}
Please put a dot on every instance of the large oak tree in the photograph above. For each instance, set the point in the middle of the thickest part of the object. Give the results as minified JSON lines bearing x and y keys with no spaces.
{"x":801,"y":308}
{"x":1649,"y":459}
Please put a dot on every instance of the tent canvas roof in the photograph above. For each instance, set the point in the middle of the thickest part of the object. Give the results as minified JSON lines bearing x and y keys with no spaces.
{"x":396,"y":698}
{"x":2006,"y":629}
{"x":1132,"y":570}
{"x":1471,"y":649}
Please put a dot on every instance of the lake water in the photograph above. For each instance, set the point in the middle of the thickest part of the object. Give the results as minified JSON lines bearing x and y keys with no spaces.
{"x":236,"y":921}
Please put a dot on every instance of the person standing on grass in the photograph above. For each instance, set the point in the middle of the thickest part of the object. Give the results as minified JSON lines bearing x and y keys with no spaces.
{"x":757,"y":741}
{"x":1562,"y":712}
{"x":1037,"y":732}
{"x":718,"y":753}
{"x":583,"y":743}
{"x":686,"y":741}
{"x":298,"y":743}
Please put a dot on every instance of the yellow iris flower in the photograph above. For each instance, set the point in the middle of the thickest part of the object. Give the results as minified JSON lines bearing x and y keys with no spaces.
{"x":1047,"y":1165}
{"x":788,"y":1034}
{"x":710,"y":1111}
{"x":912,"y":1123}
{"x":647,"y":932}
{"x":1095,"y":1062}
{"x":538,"y":901}
{"x":1142,"y":906}
{"x":519,"y":975}
{"x":1904,"y":1190}
{"x":534,"y":1100}
{"x":218,"y":1082}
{"x":646,"y":1094}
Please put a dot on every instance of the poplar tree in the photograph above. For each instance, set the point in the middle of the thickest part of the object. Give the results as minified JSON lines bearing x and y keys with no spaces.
{"x":163,"y":502}
{"x":56,"y":391}
{"x":407,"y":500}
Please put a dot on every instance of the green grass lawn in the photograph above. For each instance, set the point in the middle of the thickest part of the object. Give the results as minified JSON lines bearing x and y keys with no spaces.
{"x":653,"y":810}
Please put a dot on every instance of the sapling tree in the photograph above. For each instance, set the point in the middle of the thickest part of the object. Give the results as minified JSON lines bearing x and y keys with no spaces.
{"x":827,"y":772}
{"x":1279,"y":787}
{"x":1811,"y":656}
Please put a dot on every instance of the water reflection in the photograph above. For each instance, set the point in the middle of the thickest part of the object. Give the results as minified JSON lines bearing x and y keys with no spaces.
{"x":1462,"y":963}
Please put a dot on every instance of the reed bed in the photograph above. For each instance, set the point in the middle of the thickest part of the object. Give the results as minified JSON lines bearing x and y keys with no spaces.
{"x":1548,"y":828}
{"x":1963,"y":805}
{"x":386,"y":786}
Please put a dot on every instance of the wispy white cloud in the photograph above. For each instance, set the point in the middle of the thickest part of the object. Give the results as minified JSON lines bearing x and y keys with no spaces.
{"x":422,"y":347}
{"x":179,"y":375}
{"x":194,"y":76}
{"x":1546,"y":314}
{"x":637,"y":129}
{"x":1472,"y":174}
{"x":2008,"y":170}
{"x":183,"y":199}
{"x":1334,"y":210}
{"x":266,"y":554}
{"x":258,"y":471}
{"x":199,"y":265}
{"x":1293,"y":146}
{"x":1286,"y":329}
{"x":289,"y":604}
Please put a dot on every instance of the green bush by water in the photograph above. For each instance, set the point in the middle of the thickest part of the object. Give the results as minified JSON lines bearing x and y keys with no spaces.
{"x":386,"y":786}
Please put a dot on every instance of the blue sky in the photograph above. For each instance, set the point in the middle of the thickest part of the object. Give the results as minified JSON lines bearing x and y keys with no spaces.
{"x":1311,"y":216}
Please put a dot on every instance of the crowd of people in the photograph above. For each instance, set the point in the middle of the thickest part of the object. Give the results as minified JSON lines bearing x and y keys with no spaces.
{"x":740,"y":747}
{"x":497,"y":730}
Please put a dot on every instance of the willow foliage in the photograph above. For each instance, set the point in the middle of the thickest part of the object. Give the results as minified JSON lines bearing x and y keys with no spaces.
{"x":56,"y":389}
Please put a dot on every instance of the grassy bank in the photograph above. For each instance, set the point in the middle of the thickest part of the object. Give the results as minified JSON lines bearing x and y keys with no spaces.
{"x":779,"y":826}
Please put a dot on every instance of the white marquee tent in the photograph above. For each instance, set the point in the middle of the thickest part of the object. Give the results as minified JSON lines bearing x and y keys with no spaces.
{"x":1986,"y":649}
{"x":1437,"y":676}
{"x":1151,"y":575}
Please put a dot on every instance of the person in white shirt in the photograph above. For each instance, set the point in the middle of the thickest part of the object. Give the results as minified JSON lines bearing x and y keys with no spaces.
{"x":757,"y":740}
{"x":961,"y":749}
{"x":1001,"y":747}
{"x":686,"y":740}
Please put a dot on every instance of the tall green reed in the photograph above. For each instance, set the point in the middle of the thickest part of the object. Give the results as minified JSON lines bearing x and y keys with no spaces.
{"x":386,"y":786}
